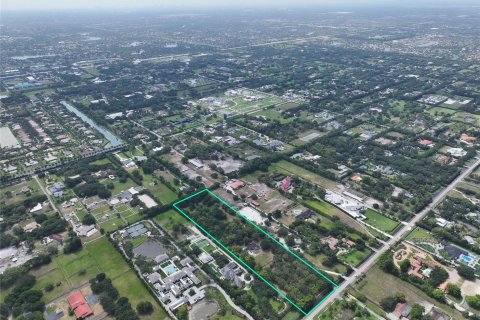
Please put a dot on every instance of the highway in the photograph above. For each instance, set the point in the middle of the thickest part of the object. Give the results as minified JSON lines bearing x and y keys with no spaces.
{"x":407,"y":227}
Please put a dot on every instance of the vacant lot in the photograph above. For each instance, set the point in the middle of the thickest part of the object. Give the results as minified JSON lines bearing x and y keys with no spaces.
{"x":377,"y":285}
{"x":288,"y":168}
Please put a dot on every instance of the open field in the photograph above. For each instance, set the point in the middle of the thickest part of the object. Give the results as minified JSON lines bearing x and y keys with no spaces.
{"x":167,"y":219}
{"x":13,"y":194}
{"x":440,"y":111}
{"x":68,"y":272}
{"x":377,"y":285}
{"x":354,"y":257}
{"x":288,"y":168}
{"x":420,"y":235}
{"x":159,"y":190}
{"x":377,"y":220}
{"x":332,"y":211}
{"x":119,"y":187}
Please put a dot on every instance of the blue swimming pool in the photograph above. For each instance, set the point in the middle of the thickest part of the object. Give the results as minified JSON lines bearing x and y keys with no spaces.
{"x":465,"y":258}
{"x":171,"y":269}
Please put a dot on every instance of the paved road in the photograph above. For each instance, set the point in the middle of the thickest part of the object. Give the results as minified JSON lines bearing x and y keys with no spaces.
{"x":46,"y":193}
{"x":370,"y":261}
{"x":227,"y":297}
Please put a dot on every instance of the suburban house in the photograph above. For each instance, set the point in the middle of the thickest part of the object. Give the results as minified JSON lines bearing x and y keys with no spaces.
{"x":79,"y":305}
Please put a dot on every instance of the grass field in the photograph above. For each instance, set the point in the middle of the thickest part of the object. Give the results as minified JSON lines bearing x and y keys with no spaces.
{"x":6,"y":192}
{"x":112,"y":224}
{"x":159,"y":190}
{"x":168,"y":218}
{"x":440,"y":111}
{"x":381,"y":222}
{"x":273,"y":115}
{"x":68,"y":272}
{"x":354,"y":257}
{"x":288,"y":168}
{"x":332,"y":211}
{"x":377,"y":285}
{"x":118,"y":186}
{"x":420,"y":235}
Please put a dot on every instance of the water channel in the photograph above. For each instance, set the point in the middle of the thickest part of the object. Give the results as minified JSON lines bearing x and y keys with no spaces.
{"x":113,"y":139}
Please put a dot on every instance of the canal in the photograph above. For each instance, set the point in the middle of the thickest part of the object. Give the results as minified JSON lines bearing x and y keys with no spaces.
{"x":113,"y":139}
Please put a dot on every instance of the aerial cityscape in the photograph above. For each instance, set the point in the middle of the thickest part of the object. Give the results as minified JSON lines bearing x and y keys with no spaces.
{"x":300,"y":160}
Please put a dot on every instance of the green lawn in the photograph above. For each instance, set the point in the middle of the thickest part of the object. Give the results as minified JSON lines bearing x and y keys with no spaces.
{"x":440,"y":111}
{"x":112,"y":224}
{"x":354,"y":257}
{"x":159,"y":190}
{"x":332,"y":211}
{"x":381,"y":222}
{"x":288,"y":168}
{"x":291,"y":315}
{"x":420,"y":235}
{"x":167,"y":219}
{"x":118,"y":186}
{"x":139,"y":240}
{"x":101,"y":162}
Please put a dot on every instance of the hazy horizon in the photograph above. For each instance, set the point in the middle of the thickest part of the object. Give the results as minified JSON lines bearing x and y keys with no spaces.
{"x":56,"y":5}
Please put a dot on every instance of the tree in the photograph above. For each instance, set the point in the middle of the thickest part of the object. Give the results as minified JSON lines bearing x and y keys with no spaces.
{"x":49,"y":287}
{"x":145,"y":307}
{"x":108,"y":304}
{"x":72,"y":244}
{"x":52,"y":250}
{"x":388,"y":304}
{"x":182,"y":313}
{"x":135,"y":202}
{"x":454,"y":290}
{"x":474,"y":301}
{"x":466,"y":272}
{"x":438,"y":295}
{"x":438,"y":276}
{"x":266,"y":245}
{"x":417,"y":312}
{"x":290,"y":240}
{"x":405,"y":266}
{"x":386,"y":263}
{"x":88,"y":219}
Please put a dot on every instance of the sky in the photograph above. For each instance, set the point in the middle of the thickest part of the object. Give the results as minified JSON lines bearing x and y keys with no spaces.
{"x":46,"y":5}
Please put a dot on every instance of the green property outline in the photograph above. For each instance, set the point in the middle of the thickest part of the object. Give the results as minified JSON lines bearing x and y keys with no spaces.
{"x":335,"y":286}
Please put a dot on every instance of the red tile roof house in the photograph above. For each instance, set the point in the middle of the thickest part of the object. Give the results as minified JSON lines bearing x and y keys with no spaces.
{"x":467,"y":139}
{"x":415,"y":266}
{"x":425,"y":142}
{"x":255,"y":203}
{"x":332,"y":242}
{"x":286,"y":184}
{"x":357,"y":179}
{"x":79,"y":305}
{"x":237,"y":184}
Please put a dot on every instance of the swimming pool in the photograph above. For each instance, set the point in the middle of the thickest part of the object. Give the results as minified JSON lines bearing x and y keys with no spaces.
{"x":465,"y":258}
{"x":171,"y":269}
